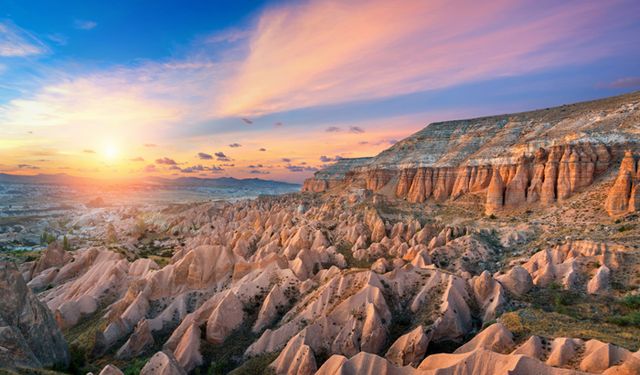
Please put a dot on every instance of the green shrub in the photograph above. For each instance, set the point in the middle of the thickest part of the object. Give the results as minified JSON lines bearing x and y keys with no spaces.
{"x":135,"y":366}
{"x":256,"y":365}
{"x":632,"y":302}
{"x":631,"y":319}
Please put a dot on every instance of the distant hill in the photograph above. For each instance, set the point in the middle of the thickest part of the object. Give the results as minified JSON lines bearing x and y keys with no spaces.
{"x":53,"y":179}
{"x":221,"y":182}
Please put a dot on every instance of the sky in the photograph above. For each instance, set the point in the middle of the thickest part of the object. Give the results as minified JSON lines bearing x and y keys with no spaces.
{"x":279,"y":89}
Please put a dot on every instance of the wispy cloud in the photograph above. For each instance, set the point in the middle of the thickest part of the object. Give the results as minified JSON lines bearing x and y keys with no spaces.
{"x":17,"y":42}
{"x":626,"y":82}
{"x":27,"y":166}
{"x":227,"y":36}
{"x":369,"y":49}
{"x":84,"y":24}
{"x":204,"y":156}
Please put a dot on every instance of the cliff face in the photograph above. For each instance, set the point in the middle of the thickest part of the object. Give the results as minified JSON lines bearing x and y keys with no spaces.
{"x":28,"y":332}
{"x":536,"y":157}
{"x":333,"y":175}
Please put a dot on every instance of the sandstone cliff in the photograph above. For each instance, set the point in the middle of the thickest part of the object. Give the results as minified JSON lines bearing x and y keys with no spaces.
{"x":536,"y":157}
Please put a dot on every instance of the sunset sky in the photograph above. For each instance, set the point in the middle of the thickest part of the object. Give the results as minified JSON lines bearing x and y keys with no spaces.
{"x":276,"y":90}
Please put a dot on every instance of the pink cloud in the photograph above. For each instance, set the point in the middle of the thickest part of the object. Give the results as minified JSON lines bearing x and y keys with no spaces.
{"x":325,"y":52}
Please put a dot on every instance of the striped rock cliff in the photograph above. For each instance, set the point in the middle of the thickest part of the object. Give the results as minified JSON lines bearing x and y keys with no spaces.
{"x":536,"y":157}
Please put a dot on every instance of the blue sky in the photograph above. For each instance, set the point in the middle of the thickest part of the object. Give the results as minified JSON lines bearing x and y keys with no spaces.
{"x":195,"y":77}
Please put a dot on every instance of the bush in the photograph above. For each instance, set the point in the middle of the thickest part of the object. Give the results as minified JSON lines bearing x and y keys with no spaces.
{"x":632,"y":319}
{"x":65,"y":244}
{"x":77,"y":359}
{"x":256,"y":365}
{"x":135,"y":366}
{"x":632,"y":302}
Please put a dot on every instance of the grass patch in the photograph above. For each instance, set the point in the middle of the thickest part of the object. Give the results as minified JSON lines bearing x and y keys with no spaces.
{"x":529,"y":321}
{"x":257,"y":365}
{"x":161,"y":261}
{"x":82,"y":340}
{"x":223,"y":358}
{"x":631,"y":319}
{"x":135,"y":365}
{"x":20,"y":256}
{"x":344,"y":248}
{"x":632,"y":302}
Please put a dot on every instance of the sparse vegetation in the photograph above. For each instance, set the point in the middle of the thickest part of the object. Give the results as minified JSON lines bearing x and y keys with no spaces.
{"x":529,"y":321}
{"x":257,"y":365}
{"x":47,"y":238}
{"x":345,"y":249}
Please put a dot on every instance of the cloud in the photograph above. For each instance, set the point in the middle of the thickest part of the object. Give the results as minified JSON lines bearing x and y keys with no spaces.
{"x":150,"y":145}
{"x":235,"y":145}
{"x":356,"y":129}
{"x":247,"y":121}
{"x":204,"y":156}
{"x":255,"y":171}
{"x":332,"y":129}
{"x":221,"y":156}
{"x":286,"y":160}
{"x":301,"y":168}
{"x":149,"y":168}
{"x":87,"y":151}
{"x":166,"y":161}
{"x":370,"y":49}
{"x":201,"y":168}
{"x":623,"y":83}
{"x":138,"y":159}
{"x":326,"y":159}
{"x":227,"y":36}
{"x":123,"y":100}
{"x":58,"y":39}
{"x":84,"y":24}
{"x":278,"y":124}
{"x":17,"y":42}
{"x":27,"y":166}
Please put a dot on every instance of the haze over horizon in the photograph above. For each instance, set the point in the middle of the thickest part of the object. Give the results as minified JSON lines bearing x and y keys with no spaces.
{"x":277,"y":90}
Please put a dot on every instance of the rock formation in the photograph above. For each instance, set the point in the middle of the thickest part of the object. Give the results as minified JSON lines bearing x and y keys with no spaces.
{"x":624,"y":195}
{"x":542,"y":157}
{"x":29,"y":336}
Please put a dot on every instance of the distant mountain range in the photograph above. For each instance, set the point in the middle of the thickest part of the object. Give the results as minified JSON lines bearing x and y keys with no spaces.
{"x":220,"y":182}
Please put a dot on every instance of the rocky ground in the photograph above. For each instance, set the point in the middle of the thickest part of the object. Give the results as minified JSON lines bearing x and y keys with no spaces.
{"x":351,"y":279}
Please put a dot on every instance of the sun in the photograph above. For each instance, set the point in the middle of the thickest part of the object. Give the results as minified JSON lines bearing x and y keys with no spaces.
{"x":110,"y":151}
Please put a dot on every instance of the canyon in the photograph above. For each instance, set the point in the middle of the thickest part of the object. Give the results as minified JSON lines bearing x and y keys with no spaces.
{"x":500,"y":245}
